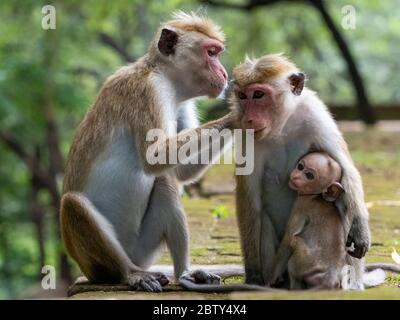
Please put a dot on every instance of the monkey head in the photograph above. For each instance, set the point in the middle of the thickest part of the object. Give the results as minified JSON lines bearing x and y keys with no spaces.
{"x":263,"y":93}
{"x":189,"y":48}
{"x":317,"y":173}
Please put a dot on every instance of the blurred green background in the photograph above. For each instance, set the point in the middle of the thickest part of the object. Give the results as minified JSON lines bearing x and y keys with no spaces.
{"x":49,"y":78}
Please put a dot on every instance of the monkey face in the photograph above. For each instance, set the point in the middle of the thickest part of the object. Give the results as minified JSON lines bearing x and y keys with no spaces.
{"x":317,"y":173}
{"x":199,"y":63}
{"x":313,"y":174}
{"x":264,"y":93}
{"x":194,"y":62}
{"x":214,"y":72}
{"x":305,"y":180}
{"x":258,"y":108}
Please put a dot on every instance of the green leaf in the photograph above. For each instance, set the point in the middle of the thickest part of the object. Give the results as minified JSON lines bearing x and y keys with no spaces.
{"x":220,"y":212}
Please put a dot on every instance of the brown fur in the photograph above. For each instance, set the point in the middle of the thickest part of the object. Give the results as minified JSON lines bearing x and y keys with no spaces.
{"x":313,"y":245}
{"x":194,"y":23}
{"x":126,"y":98}
{"x":130,"y":100}
{"x":296,"y":126}
{"x":262,"y":69}
{"x":121,"y":101}
{"x":249,"y":230}
{"x":77,"y":223}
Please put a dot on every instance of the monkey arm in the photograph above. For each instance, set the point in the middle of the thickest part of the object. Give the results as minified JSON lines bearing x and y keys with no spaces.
{"x":170,"y":152}
{"x":187,"y":119}
{"x":356,"y":212}
{"x":281,"y":260}
{"x":192,"y":171}
{"x":351,"y":205}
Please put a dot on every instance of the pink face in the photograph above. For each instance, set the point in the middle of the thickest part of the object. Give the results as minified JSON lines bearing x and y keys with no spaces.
{"x":219,"y":77}
{"x":305,"y":179}
{"x":314,"y":174}
{"x":257,"y":102}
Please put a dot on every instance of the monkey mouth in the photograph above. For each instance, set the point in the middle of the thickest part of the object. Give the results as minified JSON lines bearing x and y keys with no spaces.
{"x":216,"y":88}
{"x":292,"y":185}
{"x":260,"y":133}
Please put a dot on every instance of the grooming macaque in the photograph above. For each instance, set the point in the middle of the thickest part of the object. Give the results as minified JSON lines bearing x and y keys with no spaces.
{"x":117,"y":208}
{"x":313,"y":247}
{"x":289,"y":121}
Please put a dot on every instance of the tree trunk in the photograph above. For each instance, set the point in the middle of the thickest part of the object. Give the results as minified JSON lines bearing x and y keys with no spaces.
{"x":36,"y":212}
{"x":6,"y":268}
{"x":51,"y":49}
{"x":363,"y":104}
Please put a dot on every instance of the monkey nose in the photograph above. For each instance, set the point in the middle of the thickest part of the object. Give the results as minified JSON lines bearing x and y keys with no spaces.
{"x":224,"y":74}
{"x":294,"y":177}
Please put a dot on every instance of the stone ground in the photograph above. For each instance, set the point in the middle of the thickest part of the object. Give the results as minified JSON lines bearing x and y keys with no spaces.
{"x":214,"y":236}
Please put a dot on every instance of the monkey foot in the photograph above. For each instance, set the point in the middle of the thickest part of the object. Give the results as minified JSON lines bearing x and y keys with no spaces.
{"x":147,"y":281}
{"x":202,"y":277}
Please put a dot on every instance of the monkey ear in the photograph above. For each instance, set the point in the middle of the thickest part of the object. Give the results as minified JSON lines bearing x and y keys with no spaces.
{"x":297,"y":82}
{"x":167,"y":41}
{"x":333,"y":192}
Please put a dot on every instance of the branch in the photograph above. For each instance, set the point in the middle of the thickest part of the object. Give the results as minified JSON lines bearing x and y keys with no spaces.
{"x":112,"y":43}
{"x":30,"y":161}
{"x":36,"y":212}
{"x":226,"y":5}
{"x":363,"y":103}
{"x":252,"y":4}
{"x":86,"y":71}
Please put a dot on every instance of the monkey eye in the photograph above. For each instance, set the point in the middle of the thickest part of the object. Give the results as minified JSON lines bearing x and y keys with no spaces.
{"x":242,"y":95}
{"x":300,"y":167}
{"x":309,"y":176}
{"x":258,"y":94}
{"x":212,"y":51}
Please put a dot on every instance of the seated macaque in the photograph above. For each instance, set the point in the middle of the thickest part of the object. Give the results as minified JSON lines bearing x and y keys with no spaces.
{"x":313,"y":247}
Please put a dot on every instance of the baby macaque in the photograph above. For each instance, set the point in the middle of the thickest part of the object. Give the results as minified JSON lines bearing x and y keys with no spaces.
{"x":313,"y":247}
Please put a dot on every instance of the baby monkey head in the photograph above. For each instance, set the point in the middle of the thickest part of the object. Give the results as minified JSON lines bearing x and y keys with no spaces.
{"x":317,"y":173}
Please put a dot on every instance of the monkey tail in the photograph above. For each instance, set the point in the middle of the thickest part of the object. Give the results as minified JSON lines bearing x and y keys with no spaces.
{"x":384,"y":266}
{"x":374,"y":278}
{"x":215,"y":288}
{"x":375,"y":273}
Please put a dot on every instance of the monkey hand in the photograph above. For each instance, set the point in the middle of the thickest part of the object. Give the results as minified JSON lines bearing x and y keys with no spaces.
{"x":202,"y":277}
{"x":232,"y":119}
{"x":359,"y":238}
{"x":147,"y":281}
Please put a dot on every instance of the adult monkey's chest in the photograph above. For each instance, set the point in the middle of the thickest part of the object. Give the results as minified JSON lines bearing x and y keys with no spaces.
{"x":277,"y":197}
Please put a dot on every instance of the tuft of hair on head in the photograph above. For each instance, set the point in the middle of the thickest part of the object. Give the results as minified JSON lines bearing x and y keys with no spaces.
{"x":250,"y":60}
{"x":193,"y":22}
{"x":261,"y":69}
